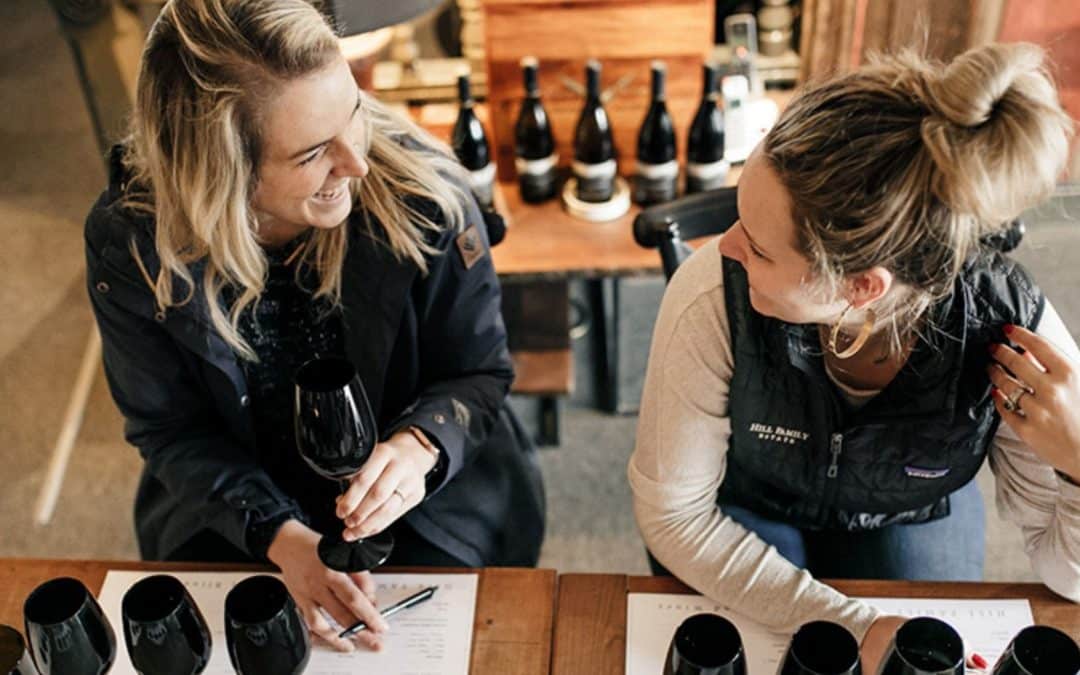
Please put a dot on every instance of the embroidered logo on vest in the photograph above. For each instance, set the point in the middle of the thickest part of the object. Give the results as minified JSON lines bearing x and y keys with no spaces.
{"x":919,"y":472}
{"x":777,"y":434}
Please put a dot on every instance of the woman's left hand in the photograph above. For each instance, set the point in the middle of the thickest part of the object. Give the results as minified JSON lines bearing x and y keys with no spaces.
{"x":1040,"y":399}
{"x":390,"y":483}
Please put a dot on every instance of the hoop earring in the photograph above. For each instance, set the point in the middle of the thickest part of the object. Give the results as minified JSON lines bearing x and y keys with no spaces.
{"x":860,"y":339}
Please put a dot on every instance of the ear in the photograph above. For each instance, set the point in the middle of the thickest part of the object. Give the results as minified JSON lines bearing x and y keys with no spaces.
{"x":869,"y":286}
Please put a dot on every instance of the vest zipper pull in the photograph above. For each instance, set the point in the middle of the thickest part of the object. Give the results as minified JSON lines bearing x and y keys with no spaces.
{"x":835,"y":447}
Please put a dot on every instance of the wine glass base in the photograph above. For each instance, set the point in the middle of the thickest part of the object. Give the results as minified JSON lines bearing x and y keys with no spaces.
{"x":361,"y":555}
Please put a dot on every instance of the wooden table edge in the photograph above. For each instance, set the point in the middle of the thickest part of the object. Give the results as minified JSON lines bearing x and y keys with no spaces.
{"x":607,"y":624}
{"x":540,"y":583}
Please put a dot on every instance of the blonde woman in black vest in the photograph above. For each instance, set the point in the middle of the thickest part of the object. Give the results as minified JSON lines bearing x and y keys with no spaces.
{"x":827,"y":378}
{"x":264,"y":211}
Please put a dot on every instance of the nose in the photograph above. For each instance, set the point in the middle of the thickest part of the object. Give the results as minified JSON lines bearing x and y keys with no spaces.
{"x":731,"y":244}
{"x":352,"y":162}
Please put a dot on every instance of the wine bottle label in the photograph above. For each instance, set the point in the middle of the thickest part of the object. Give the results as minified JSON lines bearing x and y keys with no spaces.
{"x":482,"y":183}
{"x":657,"y":171}
{"x":595,"y":182}
{"x":536,"y":167}
{"x":701,"y":177}
{"x":601,"y":170}
{"x":655,"y":183}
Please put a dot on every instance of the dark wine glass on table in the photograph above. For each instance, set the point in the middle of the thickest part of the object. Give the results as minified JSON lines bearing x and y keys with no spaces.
{"x":1040,"y":650}
{"x":924,"y":646}
{"x":264,"y":631}
{"x":822,"y":648}
{"x":336,"y":434}
{"x":164,"y":631}
{"x":14,"y":659}
{"x":67,"y":631}
{"x":705,"y":644}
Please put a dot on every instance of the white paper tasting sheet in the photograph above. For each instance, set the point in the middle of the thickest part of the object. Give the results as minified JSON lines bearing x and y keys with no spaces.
{"x":651,"y":619}
{"x":433,"y":638}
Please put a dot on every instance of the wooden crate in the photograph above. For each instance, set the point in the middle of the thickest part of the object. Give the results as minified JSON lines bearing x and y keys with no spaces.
{"x":625,"y":35}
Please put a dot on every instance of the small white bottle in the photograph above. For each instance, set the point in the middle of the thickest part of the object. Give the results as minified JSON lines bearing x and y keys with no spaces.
{"x":737,"y":146}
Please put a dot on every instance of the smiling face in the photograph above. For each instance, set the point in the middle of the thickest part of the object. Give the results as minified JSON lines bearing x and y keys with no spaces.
{"x":314,"y":142}
{"x":764,"y":242}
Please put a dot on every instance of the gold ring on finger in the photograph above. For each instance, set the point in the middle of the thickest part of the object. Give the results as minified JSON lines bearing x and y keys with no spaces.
{"x":1012,"y":402}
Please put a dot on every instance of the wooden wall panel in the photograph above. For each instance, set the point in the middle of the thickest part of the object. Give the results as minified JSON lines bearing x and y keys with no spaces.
{"x":625,"y":35}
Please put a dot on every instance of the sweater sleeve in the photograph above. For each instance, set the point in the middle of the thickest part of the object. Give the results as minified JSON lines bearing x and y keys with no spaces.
{"x":679,"y":462}
{"x":1031,"y":494}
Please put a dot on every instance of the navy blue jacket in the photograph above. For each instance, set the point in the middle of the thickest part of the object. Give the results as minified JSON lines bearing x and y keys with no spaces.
{"x":431,"y":352}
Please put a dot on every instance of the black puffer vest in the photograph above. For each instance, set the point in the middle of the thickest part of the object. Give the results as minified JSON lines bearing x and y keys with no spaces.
{"x":801,"y":455}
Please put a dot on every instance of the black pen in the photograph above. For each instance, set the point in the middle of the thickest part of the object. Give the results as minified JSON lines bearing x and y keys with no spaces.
{"x":393,"y":609}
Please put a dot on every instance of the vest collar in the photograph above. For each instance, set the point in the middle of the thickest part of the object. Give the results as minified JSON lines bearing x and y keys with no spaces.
{"x":926,"y":386}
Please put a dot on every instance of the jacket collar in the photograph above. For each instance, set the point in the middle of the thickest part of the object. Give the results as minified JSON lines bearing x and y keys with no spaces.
{"x":374,"y":290}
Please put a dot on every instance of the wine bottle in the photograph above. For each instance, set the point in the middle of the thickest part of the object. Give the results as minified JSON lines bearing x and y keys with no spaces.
{"x":472,"y":148}
{"x":706,"y":168}
{"x":656,"y":174}
{"x":534,"y":145}
{"x":594,"y":150}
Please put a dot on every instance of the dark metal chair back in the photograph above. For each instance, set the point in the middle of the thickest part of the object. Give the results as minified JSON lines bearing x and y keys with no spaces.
{"x":667,"y":227}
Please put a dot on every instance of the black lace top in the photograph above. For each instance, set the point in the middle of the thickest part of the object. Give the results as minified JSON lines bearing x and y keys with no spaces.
{"x":285,"y":328}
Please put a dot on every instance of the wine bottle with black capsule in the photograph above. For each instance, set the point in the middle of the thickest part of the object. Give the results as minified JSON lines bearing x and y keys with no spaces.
{"x":656,"y":174}
{"x":534,"y":145}
{"x":706,"y":168}
{"x":472,"y":148}
{"x":594,"y":150}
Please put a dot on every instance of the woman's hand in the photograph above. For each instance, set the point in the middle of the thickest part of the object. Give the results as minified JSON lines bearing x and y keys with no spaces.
{"x":877,"y":640}
{"x":1038,"y":394}
{"x":348,"y":598}
{"x":391,"y":483}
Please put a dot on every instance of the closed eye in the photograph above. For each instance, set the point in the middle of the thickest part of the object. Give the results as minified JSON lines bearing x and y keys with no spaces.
{"x":313,"y":156}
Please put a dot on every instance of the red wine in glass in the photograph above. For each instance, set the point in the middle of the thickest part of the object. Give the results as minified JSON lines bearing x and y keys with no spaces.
{"x":336,"y":434}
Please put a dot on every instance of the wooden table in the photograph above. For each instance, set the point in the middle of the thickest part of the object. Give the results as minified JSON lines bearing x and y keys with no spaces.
{"x":514,"y":606}
{"x":590,"y":625}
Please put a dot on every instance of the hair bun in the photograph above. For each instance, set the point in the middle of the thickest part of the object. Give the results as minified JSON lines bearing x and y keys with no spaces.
{"x":996,"y":132}
{"x":973,"y":84}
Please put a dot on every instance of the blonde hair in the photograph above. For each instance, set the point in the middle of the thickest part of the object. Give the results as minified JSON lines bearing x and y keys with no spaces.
{"x":196,"y":142}
{"x":905,"y":163}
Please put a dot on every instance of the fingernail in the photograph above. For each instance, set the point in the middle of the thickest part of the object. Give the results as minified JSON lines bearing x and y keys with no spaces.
{"x":348,"y":535}
{"x":978,"y":661}
{"x":1009,"y":328}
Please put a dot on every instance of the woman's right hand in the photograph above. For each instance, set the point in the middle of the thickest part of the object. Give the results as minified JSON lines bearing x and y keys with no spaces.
{"x":877,"y":640}
{"x":348,"y":598}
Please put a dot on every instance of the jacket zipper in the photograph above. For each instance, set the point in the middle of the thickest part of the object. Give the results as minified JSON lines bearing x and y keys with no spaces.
{"x":836,"y":446}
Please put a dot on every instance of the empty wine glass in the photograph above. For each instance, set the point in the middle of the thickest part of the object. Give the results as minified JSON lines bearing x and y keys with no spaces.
{"x":13,"y":657}
{"x":822,"y":648}
{"x":264,"y":631}
{"x":705,"y":644}
{"x":1040,"y":650}
{"x":67,"y":631}
{"x":335,"y":434}
{"x":924,"y":646}
{"x":164,"y":631}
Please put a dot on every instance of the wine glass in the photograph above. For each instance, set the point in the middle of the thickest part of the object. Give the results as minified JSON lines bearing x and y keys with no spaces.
{"x":13,"y":657}
{"x":1040,"y":650}
{"x":67,"y":631}
{"x":822,"y":648}
{"x":335,"y":434}
{"x":705,"y":644}
{"x":264,"y":630}
{"x":924,"y":646}
{"x":164,"y":631}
